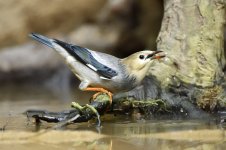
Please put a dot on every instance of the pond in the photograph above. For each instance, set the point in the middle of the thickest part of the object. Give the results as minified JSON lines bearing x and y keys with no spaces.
{"x":117,"y":132}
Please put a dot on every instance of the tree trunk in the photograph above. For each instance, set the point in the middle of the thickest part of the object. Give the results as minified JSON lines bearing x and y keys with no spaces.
{"x":192,"y":36}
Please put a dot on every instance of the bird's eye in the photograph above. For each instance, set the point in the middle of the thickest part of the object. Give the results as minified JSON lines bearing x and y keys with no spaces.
{"x":141,"y":56}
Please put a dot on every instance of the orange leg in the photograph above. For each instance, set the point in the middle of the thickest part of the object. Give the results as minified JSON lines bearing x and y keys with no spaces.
{"x":99,"y":90}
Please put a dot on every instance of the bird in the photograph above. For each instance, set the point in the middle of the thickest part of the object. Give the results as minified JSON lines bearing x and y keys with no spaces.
{"x":102,"y":72}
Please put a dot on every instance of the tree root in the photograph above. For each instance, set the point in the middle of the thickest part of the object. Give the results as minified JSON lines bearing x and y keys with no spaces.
{"x":79,"y":114}
{"x":97,"y":107}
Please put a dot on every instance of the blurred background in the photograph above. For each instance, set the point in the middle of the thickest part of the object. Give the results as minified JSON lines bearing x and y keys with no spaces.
{"x":33,"y":76}
{"x":29,"y":70}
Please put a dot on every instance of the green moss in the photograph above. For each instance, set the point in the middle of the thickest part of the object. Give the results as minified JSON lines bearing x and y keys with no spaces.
{"x":145,"y":106}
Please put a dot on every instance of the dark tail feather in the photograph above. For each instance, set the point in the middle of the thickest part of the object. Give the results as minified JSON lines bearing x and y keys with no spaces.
{"x":42,"y":39}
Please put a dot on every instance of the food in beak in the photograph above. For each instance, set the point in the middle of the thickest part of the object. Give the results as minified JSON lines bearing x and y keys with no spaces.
{"x":156,"y":55}
{"x":159,"y":55}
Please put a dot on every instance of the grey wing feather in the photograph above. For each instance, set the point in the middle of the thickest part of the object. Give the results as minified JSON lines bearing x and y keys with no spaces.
{"x":85,"y":56}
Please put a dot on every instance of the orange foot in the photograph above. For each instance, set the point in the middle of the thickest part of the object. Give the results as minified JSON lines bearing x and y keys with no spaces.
{"x":99,"y":90}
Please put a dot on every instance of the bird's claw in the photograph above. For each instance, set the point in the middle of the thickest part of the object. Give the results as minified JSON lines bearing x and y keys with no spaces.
{"x":99,"y":90}
{"x":98,"y":93}
{"x":95,"y":96}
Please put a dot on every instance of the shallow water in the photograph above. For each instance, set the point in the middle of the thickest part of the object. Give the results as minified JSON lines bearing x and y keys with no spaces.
{"x":117,"y":132}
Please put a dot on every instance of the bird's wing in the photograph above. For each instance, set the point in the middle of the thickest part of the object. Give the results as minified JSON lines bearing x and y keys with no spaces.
{"x":85,"y":56}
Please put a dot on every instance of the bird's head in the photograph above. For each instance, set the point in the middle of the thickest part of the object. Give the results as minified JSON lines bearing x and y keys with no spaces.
{"x":139,"y":63}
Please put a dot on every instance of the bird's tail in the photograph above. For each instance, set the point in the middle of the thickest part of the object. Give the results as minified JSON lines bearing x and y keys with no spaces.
{"x":42,"y":39}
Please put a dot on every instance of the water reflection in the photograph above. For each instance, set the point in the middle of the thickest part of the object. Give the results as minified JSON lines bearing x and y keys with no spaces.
{"x":118,"y":132}
{"x":119,"y":136}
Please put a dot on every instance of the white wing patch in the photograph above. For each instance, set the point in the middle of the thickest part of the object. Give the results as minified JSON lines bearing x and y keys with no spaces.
{"x":104,"y":78}
{"x":92,"y":67}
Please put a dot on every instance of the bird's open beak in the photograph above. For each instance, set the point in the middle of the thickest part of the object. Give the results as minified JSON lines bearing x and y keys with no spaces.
{"x":156,"y":55}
